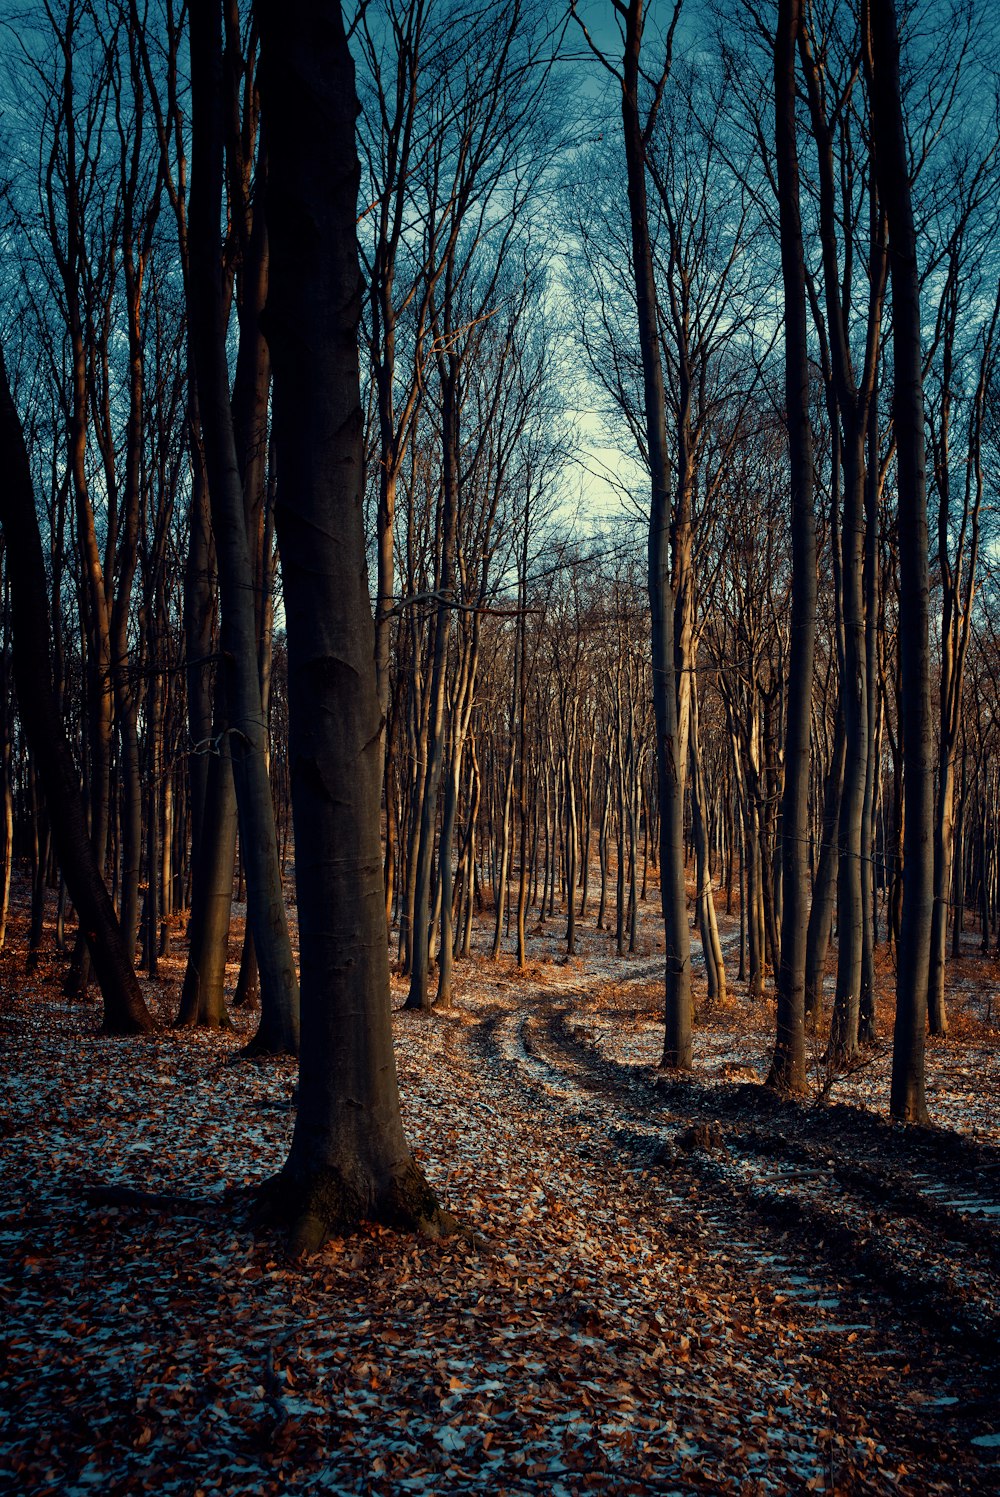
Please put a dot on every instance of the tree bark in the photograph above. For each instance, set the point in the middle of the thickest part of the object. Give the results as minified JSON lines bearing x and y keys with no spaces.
{"x":678,"y":1002}
{"x":788,"y":1073}
{"x":125,"y":1012}
{"x":349,"y":1158}
{"x":279,"y":1024}
{"x":907,"y":1100}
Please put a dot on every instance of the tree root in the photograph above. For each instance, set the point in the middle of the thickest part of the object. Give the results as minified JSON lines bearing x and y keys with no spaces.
{"x":146,"y":1200}
{"x":330,"y":1204}
{"x":261,"y":1048}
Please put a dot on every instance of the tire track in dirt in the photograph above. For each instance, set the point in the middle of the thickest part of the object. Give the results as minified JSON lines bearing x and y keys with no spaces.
{"x":864,"y":1223}
{"x":695,"y":1199}
{"x":946,"y":1183}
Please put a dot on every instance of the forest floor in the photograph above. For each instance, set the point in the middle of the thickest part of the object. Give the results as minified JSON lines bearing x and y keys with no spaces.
{"x":666,"y":1285}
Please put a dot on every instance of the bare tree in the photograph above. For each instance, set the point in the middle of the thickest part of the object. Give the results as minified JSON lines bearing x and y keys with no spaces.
{"x":788,"y":1065}
{"x":907,"y":1101}
{"x":125,"y":1011}
{"x":278,"y":1031}
{"x":678,"y":1008}
{"x":348,"y":1159}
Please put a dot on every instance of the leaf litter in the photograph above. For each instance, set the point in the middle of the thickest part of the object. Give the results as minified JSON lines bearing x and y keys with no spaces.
{"x":621,"y":1315}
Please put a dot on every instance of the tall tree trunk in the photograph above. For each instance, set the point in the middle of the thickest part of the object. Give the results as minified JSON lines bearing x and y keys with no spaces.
{"x":349,"y":1158}
{"x":824,"y":897}
{"x":199,"y":626}
{"x":279,"y":1023}
{"x":125,"y":1012}
{"x":419,"y":995}
{"x":708,"y":924}
{"x":958,"y":922}
{"x":907,"y":1101}
{"x":788,"y":1072}
{"x":866,"y":1005}
{"x":850,"y":913}
{"x":677,"y":1045}
{"x":203,"y":995}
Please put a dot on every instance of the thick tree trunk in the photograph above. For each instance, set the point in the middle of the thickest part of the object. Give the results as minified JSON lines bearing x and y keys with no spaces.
{"x":349,"y":1158}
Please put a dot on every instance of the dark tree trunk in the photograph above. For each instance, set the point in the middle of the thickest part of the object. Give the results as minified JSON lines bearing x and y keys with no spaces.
{"x":824,"y":896}
{"x":419,"y":995}
{"x":203,"y":1001}
{"x":349,"y":1158}
{"x":124,"y":1009}
{"x":199,"y":626}
{"x":907,"y":1101}
{"x":788,"y":1066}
{"x":279,"y":1024}
{"x":678,"y":1006}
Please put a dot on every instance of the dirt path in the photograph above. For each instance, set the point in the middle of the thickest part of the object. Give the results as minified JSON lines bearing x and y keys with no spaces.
{"x":806,"y":1304}
{"x":857,"y":1275}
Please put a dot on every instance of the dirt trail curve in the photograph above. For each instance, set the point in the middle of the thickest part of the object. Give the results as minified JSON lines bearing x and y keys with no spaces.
{"x":819,"y":1250}
{"x":665,"y":1288}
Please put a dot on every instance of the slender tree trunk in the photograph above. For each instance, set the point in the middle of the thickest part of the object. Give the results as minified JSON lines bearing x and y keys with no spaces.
{"x":167,"y":864}
{"x":958,"y":921}
{"x":278,"y":1032}
{"x":125,"y":1012}
{"x":787,"y":1072}
{"x":40,"y":841}
{"x":850,"y":914}
{"x":677,"y":1045}
{"x":907,"y":1100}
{"x":419,"y":995}
{"x":247,"y":994}
{"x":446,"y":952}
{"x":203,"y":995}
{"x":154,"y":762}
{"x":866,"y":1006}
{"x":824,"y":897}
{"x":199,"y":628}
{"x":708,"y":924}
{"x":6,"y":764}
